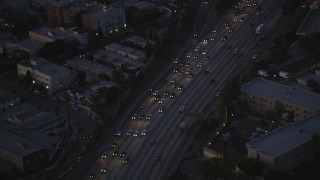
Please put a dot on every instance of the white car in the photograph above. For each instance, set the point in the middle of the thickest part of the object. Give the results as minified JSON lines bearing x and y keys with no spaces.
{"x":144,"y":132}
{"x":176,"y":61}
{"x":161,"y":110}
{"x":119,"y":133}
{"x":200,"y":65}
{"x":255,"y":56}
{"x":148,"y":117}
{"x":136,"y":133}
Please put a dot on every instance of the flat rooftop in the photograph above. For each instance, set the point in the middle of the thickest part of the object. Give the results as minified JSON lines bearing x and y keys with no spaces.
{"x":287,"y":137}
{"x":6,"y":96}
{"x":284,"y":93}
{"x":17,"y":145}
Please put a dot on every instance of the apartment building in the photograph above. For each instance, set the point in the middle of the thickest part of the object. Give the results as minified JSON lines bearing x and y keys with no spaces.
{"x":108,"y":19}
{"x":23,"y":154}
{"x":46,"y":34}
{"x":286,"y":147}
{"x":54,"y":77}
{"x":263,"y":95}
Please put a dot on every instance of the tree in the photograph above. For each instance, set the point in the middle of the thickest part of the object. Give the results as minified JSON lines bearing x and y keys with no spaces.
{"x":28,"y":78}
{"x":23,"y":24}
{"x":81,"y":76}
{"x":104,"y":76}
{"x":216,"y":167}
{"x":314,"y":85}
{"x":251,"y":167}
{"x":118,"y":76}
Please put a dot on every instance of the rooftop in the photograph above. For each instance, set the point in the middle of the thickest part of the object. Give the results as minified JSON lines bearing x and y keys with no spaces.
{"x":293,"y":95}
{"x":6,"y":96}
{"x":287,"y":137}
{"x":44,"y":66}
{"x":310,"y":24}
{"x":17,"y":145}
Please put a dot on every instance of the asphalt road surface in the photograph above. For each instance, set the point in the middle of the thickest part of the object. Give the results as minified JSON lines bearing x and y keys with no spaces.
{"x":197,"y":92}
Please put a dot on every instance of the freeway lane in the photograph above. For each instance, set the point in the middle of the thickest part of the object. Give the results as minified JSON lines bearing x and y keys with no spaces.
{"x":196,"y":94}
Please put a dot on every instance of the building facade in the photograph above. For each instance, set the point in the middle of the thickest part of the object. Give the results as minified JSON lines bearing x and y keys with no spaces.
{"x":108,"y":19}
{"x":23,"y":154}
{"x":52,"y":76}
{"x":263,"y":96}
{"x":287,"y":147}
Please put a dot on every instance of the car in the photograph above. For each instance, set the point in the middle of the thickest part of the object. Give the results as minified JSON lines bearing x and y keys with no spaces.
{"x":114,"y":144}
{"x":180,"y":87}
{"x":166,"y":93}
{"x":204,"y":52}
{"x":103,"y":170}
{"x":224,"y":38}
{"x":218,"y":94}
{"x":151,"y":89}
{"x":206,"y":1}
{"x":187,"y":64}
{"x":182,"y":109}
{"x":205,"y":40}
{"x":79,"y":158}
{"x":212,"y":38}
{"x":153,"y":141}
{"x":255,"y":56}
{"x":189,"y":55}
{"x":155,"y":93}
{"x":206,"y":72}
{"x":119,"y":133}
{"x":91,"y":176}
{"x":142,"y":116}
{"x":144,"y":132}
{"x":196,"y":121}
{"x":142,"y":106}
{"x":172,"y":95}
{"x":241,"y":19}
{"x":125,"y":160}
{"x":104,"y":155}
{"x":161,"y":100}
{"x":173,"y":81}
{"x":87,"y":136}
{"x":134,"y":116}
{"x":182,"y":64}
{"x":214,"y":30}
{"x":191,"y":75}
{"x":136,"y":133}
{"x":161,"y":110}
{"x":236,"y":51}
{"x":180,"y":73}
{"x":123,"y":154}
{"x":148,"y":117}
{"x":115,"y":153}
{"x":157,"y":158}
{"x":129,"y":133}
{"x":195,"y":35}
{"x":207,"y":58}
{"x":176,"y":61}
{"x":195,"y":57}
{"x":230,"y":30}
{"x":199,"y":65}
{"x":157,"y":98}
{"x":175,"y":85}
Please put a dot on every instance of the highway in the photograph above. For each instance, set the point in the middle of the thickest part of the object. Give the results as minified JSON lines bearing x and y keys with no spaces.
{"x":197,"y":92}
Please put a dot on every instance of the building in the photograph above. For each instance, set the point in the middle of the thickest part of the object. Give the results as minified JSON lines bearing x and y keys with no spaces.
{"x":128,"y":52}
{"x":263,"y":95}
{"x":89,"y":67}
{"x":139,"y":42}
{"x":286,"y":147}
{"x":46,"y":34}
{"x":63,"y":12}
{"x":54,"y":77}
{"x":118,"y":61}
{"x":28,"y":45}
{"x":23,"y":154}
{"x":107,"y":19}
{"x":8,"y":100}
